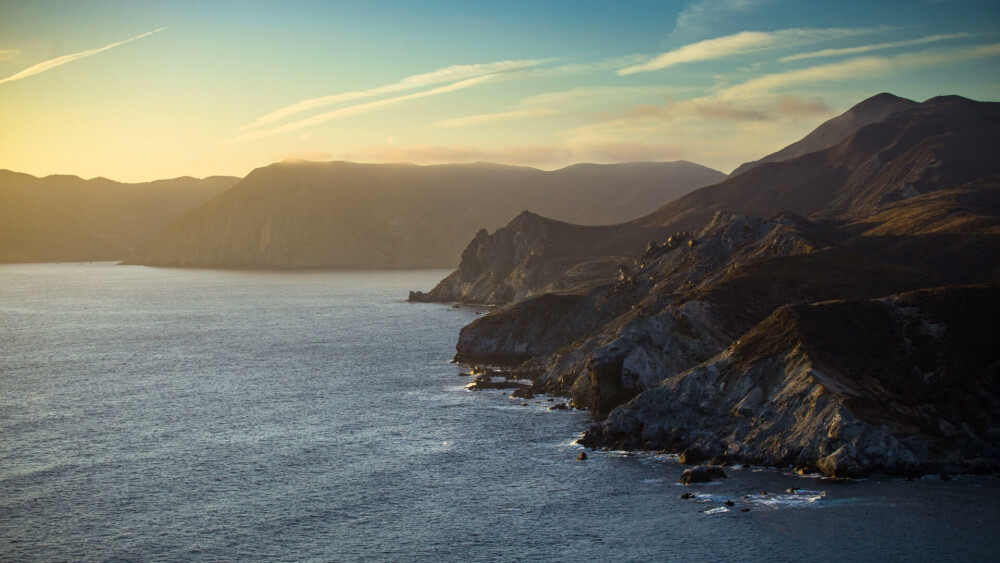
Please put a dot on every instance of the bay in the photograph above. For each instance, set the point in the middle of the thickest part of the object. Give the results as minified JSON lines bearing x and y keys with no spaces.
{"x":202,"y":415}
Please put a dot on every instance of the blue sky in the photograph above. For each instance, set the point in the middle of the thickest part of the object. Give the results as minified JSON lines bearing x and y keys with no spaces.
{"x":143,"y":90}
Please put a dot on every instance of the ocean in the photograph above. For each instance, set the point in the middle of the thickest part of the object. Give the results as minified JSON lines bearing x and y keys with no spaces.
{"x":201,"y":415}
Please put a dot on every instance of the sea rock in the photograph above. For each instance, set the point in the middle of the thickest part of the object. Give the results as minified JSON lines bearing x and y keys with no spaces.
{"x":523,"y":393}
{"x":693,"y":456}
{"x":487,"y":381}
{"x":701,"y":474}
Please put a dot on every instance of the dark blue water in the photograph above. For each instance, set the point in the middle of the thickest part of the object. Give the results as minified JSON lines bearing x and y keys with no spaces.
{"x":196,"y":415}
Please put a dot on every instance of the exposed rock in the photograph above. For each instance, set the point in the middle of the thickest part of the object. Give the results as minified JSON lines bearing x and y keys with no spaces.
{"x":534,"y":255}
{"x":692,"y":456}
{"x":582,"y":456}
{"x":851,"y":387}
{"x":523,"y":393}
{"x":773,"y":341}
{"x":487,"y":381}
{"x":701,"y":474}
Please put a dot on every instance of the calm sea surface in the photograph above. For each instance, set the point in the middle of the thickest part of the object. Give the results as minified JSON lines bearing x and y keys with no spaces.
{"x":199,"y":415}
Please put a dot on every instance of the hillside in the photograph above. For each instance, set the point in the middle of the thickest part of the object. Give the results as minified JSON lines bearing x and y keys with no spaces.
{"x":69,"y":219}
{"x":340,"y":214}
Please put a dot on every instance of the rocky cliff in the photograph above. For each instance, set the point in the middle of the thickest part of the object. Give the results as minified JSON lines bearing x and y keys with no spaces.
{"x":534,"y":255}
{"x":768,"y":308}
{"x":903,"y":384}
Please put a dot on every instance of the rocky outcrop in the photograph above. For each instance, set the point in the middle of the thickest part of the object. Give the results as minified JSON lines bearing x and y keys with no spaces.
{"x":772,"y":340}
{"x":907,"y":383}
{"x":684,"y":301}
{"x":701,"y":474}
{"x":534,"y":255}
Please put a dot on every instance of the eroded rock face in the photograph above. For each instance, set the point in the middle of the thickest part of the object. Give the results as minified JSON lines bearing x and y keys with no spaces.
{"x":534,"y":255}
{"x":764,"y":340}
{"x":807,"y":388}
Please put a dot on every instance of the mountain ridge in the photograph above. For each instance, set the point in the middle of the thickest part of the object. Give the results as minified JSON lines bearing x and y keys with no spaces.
{"x":342,"y":214}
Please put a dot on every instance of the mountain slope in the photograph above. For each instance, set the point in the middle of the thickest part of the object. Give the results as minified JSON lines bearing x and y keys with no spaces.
{"x":941,"y":143}
{"x":874,"y":109}
{"x":341,"y":214}
{"x":67,"y":218}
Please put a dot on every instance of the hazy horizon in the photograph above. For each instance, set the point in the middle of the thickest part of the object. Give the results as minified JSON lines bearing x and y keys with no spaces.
{"x":139,"y":91}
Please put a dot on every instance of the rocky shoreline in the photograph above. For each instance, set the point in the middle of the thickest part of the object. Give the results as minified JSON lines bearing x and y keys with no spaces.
{"x":859,"y":335}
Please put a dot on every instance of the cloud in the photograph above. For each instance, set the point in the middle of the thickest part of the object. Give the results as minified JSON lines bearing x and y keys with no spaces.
{"x":486,"y":118}
{"x":441,"y":75}
{"x":59,"y":61}
{"x":875,"y":47}
{"x":359,"y":109}
{"x":741,"y":43}
{"x":773,"y":108}
{"x":862,"y":67}
{"x":703,"y":15}
{"x":6,"y":54}
{"x":602,"y":94}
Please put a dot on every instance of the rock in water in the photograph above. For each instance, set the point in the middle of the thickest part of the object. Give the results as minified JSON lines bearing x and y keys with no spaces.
{"x":701,"y":474}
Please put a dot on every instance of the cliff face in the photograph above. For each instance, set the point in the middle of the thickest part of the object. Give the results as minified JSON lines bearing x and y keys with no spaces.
{"x":534,"y":255}
{"x":736,"y":315}
{"x":69,"y":219}
{"x":906,"y":383}
{"x":339,"y":214}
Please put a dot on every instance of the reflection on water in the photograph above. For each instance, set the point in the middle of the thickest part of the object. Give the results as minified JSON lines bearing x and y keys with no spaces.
{"x":151,"y":414}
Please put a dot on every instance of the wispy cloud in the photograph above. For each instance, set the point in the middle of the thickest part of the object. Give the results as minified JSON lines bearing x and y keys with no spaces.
{"x":875,"y":47}
{"x":588,"y":94}
{"x":360,"y":109}
{"x":486,"y":118}
{"x":447,"y":74}
{"x":703,"y":15}
{"x":741,"y":43}
{"x":862,"y":67}
{"x":6,"y":54}
{"x":59,"y":61}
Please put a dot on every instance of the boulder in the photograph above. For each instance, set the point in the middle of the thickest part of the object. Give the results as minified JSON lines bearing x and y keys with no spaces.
{"x":701,"y":474}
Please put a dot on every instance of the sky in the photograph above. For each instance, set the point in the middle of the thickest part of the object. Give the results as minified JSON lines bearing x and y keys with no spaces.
{"x":137,"y":91}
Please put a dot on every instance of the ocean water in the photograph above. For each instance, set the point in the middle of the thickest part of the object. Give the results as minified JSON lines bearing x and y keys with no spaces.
{"x":197,"y":415}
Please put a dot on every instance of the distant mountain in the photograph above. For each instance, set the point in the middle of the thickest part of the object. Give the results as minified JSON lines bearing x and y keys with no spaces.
{"x":341,"y":214}
{"x":69,"y":219}
{"x":814,"y":311}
